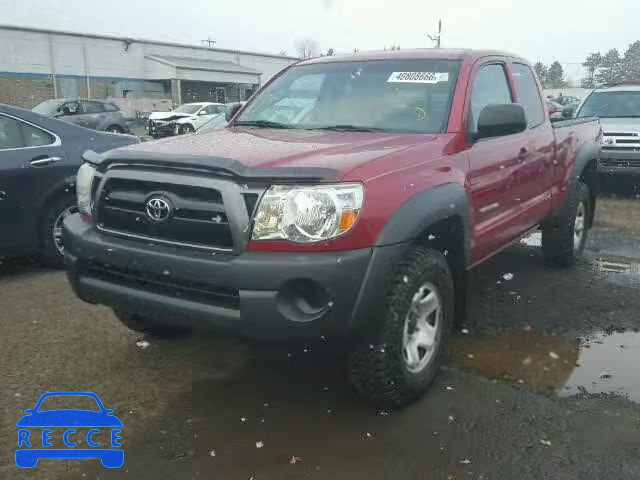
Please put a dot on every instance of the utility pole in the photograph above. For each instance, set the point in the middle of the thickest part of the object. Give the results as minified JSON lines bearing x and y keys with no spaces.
{"x":436,"y":38}
{"x":209,"y":41}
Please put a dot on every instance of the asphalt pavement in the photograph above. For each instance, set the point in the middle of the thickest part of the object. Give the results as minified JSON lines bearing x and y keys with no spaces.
{"x":541,"y":383}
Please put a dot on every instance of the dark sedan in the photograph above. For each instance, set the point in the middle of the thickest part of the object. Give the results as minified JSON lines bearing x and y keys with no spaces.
{"x":39,"y":158}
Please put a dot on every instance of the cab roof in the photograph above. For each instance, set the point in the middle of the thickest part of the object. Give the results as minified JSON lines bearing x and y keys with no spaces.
{"x":412,"y":54}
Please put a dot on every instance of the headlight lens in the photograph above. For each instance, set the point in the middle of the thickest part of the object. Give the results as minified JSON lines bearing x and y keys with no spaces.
{"x":84,"y":180}
{"x":307,"y":214}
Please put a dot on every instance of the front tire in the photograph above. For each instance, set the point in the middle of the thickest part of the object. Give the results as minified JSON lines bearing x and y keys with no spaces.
{"x":187,"y":128}
{"x":564,"y":241}
{"x":51,"y":241}
{"x":410,"y":343}
{"x":147,"y":326}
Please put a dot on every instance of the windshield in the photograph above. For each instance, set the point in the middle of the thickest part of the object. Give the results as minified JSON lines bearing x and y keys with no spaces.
{"x":388,"y":95}
{"x":188,"y":108}
{"x":611,"y":105}
{"x":48,"y":108}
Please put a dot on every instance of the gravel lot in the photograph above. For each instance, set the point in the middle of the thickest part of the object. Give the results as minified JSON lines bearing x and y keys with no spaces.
{"x":540,"y":383}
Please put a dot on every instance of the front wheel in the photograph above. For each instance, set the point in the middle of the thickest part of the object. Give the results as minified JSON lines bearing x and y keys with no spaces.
{"x":148,"y":326}
{"x":410,"y":342}
{"x":564,"y":241}
{"x":186,"y":129}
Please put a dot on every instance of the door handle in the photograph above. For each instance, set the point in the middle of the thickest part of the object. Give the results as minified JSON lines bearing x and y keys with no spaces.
{"x":41,"y":162}
{"x":3,"y":194}
{"x":524,"y":154}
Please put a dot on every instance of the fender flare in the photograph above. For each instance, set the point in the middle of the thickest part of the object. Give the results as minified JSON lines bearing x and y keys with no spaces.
{"x":586,"y":154}
{"x":425,"y":209}
{"x":395,"y":239}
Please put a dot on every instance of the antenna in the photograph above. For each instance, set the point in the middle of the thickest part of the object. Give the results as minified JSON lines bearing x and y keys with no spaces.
{"x":436,"y":38}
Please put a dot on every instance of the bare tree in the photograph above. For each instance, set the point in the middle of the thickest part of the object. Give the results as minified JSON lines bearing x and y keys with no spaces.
{"x":307,"y":47}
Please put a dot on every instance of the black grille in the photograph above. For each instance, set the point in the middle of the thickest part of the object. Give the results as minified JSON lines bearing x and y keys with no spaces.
{"x":609,"y":162}
{"x":163,"y":284}
{"x":198,"y":218}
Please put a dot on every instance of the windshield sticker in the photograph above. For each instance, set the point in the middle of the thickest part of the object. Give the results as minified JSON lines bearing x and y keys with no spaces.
{"x":418,"y":77}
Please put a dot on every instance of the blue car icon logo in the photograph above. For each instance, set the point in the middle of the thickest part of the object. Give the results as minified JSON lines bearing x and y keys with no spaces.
{"x":84,"y":433}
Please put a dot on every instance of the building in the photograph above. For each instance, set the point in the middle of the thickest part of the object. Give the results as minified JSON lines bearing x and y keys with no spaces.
{"x":38,"y":65}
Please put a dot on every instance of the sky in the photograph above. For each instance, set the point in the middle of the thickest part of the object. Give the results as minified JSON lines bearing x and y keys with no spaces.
{"x":545,"y":30}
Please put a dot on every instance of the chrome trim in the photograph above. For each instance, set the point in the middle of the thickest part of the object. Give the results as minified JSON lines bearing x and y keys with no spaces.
{"x":118,"y":233}
{"x":56,"y":143}
{"x":45,"y":161}
{"x":489,"y":208}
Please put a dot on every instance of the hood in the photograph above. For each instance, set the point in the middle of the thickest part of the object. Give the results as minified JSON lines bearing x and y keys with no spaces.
{"x":166,"y":116}
{"x":621,"y":125}
{"x":266,"y":148}
{"x":69,"y":418}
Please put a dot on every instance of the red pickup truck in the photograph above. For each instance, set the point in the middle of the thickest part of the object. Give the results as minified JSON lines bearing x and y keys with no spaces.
{"x":346,"y":200}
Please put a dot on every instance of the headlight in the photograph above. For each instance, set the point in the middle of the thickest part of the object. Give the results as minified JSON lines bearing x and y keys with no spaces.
{"x":307,"y":214}
{"x":84,"y":180}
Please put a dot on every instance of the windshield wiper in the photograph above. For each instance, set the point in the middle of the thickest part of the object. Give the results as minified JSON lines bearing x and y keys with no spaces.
{"x":348,"y":128}
{"x":261,"y":124}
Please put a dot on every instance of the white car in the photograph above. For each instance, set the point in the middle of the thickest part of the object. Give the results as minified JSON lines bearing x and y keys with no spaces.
{"x":185,"y":119}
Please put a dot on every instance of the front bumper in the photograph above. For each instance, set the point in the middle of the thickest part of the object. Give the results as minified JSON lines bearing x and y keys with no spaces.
{"x":612,"y":162}
{"x":160,"y":130}
{"x":257,"y":295}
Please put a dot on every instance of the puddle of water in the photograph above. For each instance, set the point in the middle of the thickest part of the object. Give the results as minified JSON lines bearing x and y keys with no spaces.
{"x":553,"y":364}
{"x":608,"y":364}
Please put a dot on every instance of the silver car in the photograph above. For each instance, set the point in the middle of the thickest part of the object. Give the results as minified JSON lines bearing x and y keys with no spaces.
{"x":619,"y":110}
{"x":94,"y":114}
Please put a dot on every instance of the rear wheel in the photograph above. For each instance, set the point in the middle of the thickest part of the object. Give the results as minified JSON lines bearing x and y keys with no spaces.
{"x":52,"y":242}
{"x":147,"y":326}
{"x":564,"y":241}
{"x":114,"y":129}
{"x":410,"y":344}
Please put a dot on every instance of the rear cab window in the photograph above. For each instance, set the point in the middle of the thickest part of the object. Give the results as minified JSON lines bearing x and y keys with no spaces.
{"x":528,"y":93}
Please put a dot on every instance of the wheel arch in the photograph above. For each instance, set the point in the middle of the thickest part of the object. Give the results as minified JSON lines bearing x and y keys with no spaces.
{"x":438,"y":218}
{"x":62,"y":189}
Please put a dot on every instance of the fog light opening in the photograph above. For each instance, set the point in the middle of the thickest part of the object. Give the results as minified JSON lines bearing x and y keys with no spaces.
{"x":302,"y":300}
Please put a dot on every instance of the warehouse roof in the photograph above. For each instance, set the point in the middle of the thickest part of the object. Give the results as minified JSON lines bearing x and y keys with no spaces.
{"x":130,"y":40}
{"x":192,"y":63}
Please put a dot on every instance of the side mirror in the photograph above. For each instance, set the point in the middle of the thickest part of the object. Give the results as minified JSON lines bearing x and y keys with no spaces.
{"x":567,"y":112}
{"x":501,"y":120}
{"x":231,"y":111}
{"x":202,"y":112}
{"x":29,"y":410}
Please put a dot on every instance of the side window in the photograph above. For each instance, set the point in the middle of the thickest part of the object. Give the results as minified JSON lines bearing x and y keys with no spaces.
{"x":210,"y":109}
{"x":10,"y":135}
{"x":91,"y":107}
{"x":35,"y":137}
{"x":490,"y":87}
{"x":70,"y":108}
{"x":528,"y":94}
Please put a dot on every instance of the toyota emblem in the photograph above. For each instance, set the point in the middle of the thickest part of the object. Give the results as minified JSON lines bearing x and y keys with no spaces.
{"x":158,"y":209}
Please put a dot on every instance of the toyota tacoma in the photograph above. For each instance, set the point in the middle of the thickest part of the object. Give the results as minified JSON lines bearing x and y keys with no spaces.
{"x":346,"y":200}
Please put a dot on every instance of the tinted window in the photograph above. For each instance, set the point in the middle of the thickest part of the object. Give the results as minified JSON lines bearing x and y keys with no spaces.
{"x":611,"y":104}
{"x":491,"y":87}
{"x":70,"y":108}
{"x":213,"y":109}
{"x":528,"y":93}
{"x":10,"y":135}
{"x":92,"y":107}
{"x":391,"y":95}
{"x":35,"y":137}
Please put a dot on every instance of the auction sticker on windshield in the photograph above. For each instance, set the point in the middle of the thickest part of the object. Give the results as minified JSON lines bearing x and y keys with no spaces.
{"x":418,"y":77}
